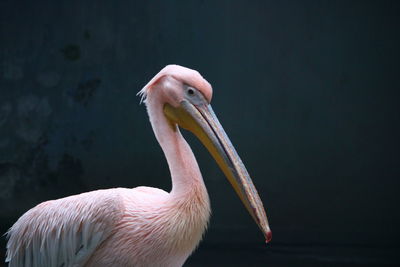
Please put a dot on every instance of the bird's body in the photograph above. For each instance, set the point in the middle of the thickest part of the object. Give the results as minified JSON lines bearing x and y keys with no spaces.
{"x":142,"y":226}
{"x":113,"y":227}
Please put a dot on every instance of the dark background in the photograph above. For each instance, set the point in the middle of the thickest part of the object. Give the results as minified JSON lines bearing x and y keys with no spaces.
{"x":306,"y":90}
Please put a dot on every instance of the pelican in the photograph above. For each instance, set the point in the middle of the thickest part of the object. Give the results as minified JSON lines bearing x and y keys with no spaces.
{"x":142,"y":226}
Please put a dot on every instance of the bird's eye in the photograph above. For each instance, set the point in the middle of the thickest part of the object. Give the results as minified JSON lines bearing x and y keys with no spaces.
{"x":190,"y":91}
{"x":193,"y":95}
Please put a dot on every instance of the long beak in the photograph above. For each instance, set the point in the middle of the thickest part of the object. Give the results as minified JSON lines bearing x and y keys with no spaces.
{"x":201,"y":120}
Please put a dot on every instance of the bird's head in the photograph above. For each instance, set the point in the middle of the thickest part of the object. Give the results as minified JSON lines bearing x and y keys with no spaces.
{"x":186,"y":102}
{"x":175,"y":83}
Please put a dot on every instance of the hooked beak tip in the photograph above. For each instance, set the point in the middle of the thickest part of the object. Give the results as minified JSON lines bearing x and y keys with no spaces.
{"x":268,"y":237}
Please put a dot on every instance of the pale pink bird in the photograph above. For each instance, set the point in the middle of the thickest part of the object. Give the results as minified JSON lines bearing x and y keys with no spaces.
{"x":142,"y":226}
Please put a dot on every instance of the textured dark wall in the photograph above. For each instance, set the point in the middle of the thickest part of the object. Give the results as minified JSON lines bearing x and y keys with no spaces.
{"x":306,"y":90}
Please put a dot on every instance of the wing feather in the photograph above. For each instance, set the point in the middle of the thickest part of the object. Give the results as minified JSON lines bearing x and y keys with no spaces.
{"x":64,"y":232}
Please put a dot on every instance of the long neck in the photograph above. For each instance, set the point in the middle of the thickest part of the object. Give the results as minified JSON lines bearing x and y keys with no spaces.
{"x":185,"y":172}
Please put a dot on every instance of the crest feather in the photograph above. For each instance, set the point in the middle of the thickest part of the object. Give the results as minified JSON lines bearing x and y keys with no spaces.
{"x":143,"y":95}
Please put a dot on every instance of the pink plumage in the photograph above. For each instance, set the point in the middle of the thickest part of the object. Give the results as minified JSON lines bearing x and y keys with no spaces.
{"x":142,"y":226}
